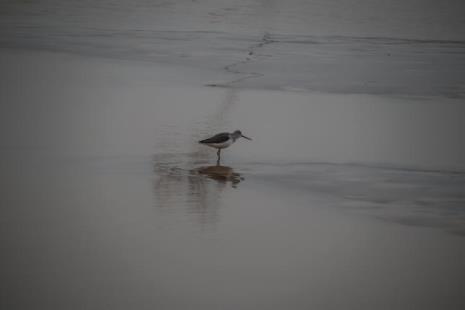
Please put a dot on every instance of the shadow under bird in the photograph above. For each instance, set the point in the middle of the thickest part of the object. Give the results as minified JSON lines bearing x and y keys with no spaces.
{"x":223,"y":140}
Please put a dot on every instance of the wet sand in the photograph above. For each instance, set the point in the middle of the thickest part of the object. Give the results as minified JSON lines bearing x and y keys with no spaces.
{"x":109,"y":202}
{"x":350,"y":195}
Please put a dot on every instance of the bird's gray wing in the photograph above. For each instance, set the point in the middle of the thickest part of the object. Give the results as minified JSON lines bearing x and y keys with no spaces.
{"x":219,"y":138}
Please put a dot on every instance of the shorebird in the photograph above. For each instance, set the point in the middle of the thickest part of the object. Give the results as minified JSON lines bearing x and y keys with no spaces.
{"x":223,"y":140}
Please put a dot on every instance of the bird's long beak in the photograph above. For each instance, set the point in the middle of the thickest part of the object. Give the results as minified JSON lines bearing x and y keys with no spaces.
{"x":246,"y":137}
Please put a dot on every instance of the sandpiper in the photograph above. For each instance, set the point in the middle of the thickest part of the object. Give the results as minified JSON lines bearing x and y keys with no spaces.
{"x":222,"y":141}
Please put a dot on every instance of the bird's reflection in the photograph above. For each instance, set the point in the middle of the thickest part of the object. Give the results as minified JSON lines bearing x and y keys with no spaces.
{"x":222,"y":174}
{"x":197,"y":189}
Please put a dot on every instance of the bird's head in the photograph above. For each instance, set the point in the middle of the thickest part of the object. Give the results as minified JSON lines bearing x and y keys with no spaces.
{"x":237,"y":134}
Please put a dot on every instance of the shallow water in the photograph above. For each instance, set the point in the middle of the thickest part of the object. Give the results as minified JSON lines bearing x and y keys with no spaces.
{"x":349,"y":196}
{"x":104,"y":202}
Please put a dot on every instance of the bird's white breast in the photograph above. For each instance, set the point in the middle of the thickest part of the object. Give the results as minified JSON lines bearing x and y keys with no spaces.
{"x":221,"y":145}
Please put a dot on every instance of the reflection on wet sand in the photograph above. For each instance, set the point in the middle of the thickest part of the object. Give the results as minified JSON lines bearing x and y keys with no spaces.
{"x":192,"y":187}
{"x":222,"y":174}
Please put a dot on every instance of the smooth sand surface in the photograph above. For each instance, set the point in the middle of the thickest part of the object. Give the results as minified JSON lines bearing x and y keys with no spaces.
{"x":104,"y":203}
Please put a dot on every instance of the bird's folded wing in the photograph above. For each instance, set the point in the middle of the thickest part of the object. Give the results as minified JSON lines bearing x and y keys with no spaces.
{"x":219,"y":138}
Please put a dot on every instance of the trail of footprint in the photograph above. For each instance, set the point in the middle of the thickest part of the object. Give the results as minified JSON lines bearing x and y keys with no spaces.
{"x":251,"y":52}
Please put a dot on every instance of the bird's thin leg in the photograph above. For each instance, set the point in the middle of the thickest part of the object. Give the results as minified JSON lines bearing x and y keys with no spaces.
{"x":219,"y":157}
